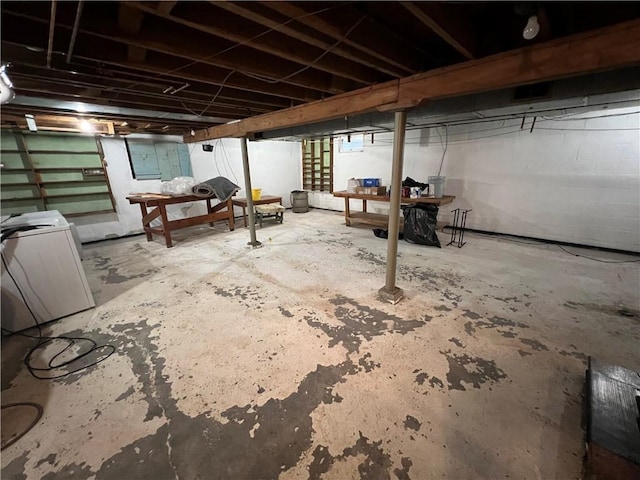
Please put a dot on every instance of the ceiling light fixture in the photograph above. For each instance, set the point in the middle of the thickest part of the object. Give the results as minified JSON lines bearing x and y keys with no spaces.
{"x":166,"y":127}
{"x":6,"y":87}
{"x":176,"y":90}
{"x":532,"y":28}
{"x":85,"y":126}
{"x":31,"y":122}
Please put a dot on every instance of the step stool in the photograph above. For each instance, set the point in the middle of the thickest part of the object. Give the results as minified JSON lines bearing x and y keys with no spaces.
{"x":269,"y":210}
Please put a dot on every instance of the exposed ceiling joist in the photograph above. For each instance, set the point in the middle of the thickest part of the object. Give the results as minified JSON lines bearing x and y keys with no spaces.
{"x":390,"y":51}
{"x":598,"y":50}
{"x":455,"y":34}
{"x":244,"y":9}
{"x":130,"y":21}
{"x":236,"y":29}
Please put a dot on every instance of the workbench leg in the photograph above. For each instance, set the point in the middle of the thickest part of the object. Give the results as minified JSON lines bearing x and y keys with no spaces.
{"x":165,"y":225}
{"x":364,"y":205}
{"x":143,"y":208}
{"x":244,"y":216}
{"x":347,"y":214}
{"x":209,"y":210}
{"x":232,"y":220}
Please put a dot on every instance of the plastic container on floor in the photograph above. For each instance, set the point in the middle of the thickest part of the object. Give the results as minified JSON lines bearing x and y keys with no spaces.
{"x":299,"y":201}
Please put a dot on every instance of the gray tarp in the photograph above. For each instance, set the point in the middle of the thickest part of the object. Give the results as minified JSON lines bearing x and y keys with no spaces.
{"x":221,"y":187}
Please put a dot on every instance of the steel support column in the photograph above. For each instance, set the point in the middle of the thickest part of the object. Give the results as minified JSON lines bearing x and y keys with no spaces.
{"x":247,"y":186}
{"x":390,"y":292}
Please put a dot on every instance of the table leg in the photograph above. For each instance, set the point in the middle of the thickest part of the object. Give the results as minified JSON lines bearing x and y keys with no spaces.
{"x":244,"y":215}
{"x":209,"y":210}
{"x":232,"y":221}
{"x":143,"y":208}
{"x":165,"y":225}
{"x":347,"y":213}
{"x":364,"y":205}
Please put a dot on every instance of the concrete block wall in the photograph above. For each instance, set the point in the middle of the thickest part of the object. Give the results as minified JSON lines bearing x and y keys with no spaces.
{"x":571,"y":179}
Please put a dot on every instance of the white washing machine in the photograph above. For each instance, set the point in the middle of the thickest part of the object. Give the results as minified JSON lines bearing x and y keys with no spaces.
{"x":47,"y":268}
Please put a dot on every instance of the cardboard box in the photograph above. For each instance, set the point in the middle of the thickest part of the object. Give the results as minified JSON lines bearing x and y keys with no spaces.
{"x":382,"y":191}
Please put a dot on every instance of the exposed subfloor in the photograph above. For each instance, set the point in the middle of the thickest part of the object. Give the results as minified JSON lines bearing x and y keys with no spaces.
{"x":280,"y":362}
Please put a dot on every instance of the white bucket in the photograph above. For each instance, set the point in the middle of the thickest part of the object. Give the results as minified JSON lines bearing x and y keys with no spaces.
{"x":438,"y":186}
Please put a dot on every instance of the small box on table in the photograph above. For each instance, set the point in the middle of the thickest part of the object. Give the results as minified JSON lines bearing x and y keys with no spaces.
{"x":382,"y":191}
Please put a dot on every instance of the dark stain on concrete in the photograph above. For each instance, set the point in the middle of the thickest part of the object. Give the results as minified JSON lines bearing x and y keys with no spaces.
{"x":245,"y":296}
{"x":469,"y":328}
{"x":412,"y":423}
{"x":534,"y":344}
{"x":321,"y":464}
{"x":471,"y":315}
{"x":442,"y":308}
{"x":367,"y":365}
{"x":14,"y":349}
{"x":403,"y":474}
{"x":50,"y":459}
{"x":453,"y":297}
{"x":375,"y":466}
{"x":481,"y":371}
{"x":113,"y":276}
{"x":457,"y":342}
{"x":578,"y":355}
{"x":15,"y":468}
{"x":71,"y":471}
{"x":524,"y":353}
{"x":130,"y":391}
{"x":371,"y":257}
{"x":421,"y":378}
{"x":285,"y":312}
{"x":436,"y":382}
{"x":360,"y":322}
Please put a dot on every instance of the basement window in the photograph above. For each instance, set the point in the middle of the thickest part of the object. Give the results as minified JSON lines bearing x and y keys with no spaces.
{"x":158,"y":160}
{"x":317,"y":164}
{"x":351,"y":143}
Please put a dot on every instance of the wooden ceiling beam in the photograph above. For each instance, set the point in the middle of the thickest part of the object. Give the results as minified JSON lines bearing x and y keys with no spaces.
{"x":607,"y":48}
{"x":232,"y":27}
{"x":130,"y":21}
{"x":181,"y":46}
{"x":390,"y":51}
{"x":155,"y":71}
{"x":243,"y":10}
{"x":434,"y":16}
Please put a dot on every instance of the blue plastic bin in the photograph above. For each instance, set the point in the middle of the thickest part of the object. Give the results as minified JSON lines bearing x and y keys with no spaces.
{"x":370,"y":182}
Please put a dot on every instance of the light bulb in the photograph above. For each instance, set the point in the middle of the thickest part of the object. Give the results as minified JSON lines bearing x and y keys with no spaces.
{"x":85,"y":126}
{"x":532,"y":28}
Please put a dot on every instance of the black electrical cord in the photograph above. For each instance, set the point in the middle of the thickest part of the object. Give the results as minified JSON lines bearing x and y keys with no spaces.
{"x":44,"y":341}
{"x":33,"y":423}
{"x":504,"y":237}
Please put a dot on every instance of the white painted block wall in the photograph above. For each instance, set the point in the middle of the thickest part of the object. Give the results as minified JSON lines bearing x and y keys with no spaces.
{"x":275,"y":167}
{"x":570,"y":180}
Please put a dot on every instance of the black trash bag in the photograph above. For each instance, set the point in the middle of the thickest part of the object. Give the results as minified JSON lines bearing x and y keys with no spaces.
{"x":420,"y":224}
{"x":410,"y":182}
{"x":381,"y":233}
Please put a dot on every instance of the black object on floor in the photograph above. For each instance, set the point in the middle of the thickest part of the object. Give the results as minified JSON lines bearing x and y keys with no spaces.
{"x":381,"y":233}
{"x":420,"y":224}
{"x":613,"y":421}
{"x":458,"y":228}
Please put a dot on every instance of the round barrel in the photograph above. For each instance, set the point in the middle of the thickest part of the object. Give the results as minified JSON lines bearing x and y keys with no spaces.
{"x":300,"y":201}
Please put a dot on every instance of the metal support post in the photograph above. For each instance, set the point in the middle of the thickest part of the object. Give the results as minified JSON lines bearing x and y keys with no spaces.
{"x":390,"y":292}
{"x":247,"y":186}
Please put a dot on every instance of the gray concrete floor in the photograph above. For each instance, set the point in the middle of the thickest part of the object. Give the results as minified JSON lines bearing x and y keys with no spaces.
{"x":280,"y":362}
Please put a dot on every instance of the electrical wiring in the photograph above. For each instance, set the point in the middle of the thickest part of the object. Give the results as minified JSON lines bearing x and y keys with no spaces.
{"x":228,"y":49}
{"x":313,"y":62}
{"x":222,"y":85}
{"x":596,"y":259}
{"x":43,"y":341}
{"x":38,"y":416}
{"x":444,"y":144}
{"x":506,"y":238}
{"x":228,"y":163}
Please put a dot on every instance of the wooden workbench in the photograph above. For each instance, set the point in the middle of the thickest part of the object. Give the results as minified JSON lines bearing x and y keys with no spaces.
{"x":158,"y":203}
{"x":377,"y":219}
{"x":264,"y":199}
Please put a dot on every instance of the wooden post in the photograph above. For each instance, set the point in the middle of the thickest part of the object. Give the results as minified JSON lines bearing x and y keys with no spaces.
{"x":247,"y":186}
{"x":390,"y":292}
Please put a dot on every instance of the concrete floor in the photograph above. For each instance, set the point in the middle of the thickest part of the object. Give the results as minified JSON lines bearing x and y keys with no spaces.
{"x":280,"y":362}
